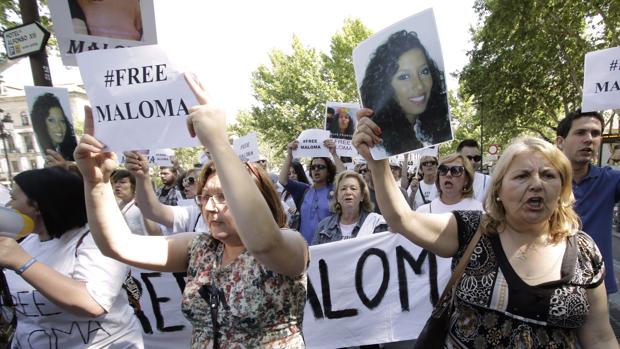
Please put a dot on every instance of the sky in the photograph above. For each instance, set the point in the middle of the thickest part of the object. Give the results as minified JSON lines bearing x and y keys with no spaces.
{"x":224,"y":42}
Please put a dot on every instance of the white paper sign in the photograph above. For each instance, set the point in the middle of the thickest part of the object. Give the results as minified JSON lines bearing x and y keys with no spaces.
{"x":311,"y":144}
{"x":164,"y":325}
{"x":601,"y":83}
{"x":160,"y":157}
{"x":340,"y":121}
{"x":82,"y":26}
{"x":369,"y":290}
{"x":139,"y":98}
{"x":246,"y":147}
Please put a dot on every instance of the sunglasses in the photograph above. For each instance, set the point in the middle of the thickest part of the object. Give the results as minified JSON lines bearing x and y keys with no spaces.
{"x":474,"y":158}
{"x":456,"y":171}
{"x":317,"y":167}
{"x":189,"y":180}
{"x":429,"y":163}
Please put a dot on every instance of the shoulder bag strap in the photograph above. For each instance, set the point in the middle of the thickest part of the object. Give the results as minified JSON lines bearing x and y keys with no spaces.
{"x":458,"y":271}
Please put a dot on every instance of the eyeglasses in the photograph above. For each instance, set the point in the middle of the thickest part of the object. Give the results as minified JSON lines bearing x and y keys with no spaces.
{"x":189,"y":180}
{"x":317,"y":167}
{"x":202,"y":200}
{"x":474,"y":158}
{"x":456,"y":171}
{"x":262,"y":161}
{"x":429,"y":163}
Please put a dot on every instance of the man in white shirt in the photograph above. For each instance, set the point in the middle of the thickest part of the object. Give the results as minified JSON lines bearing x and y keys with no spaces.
{"x":471,"y":150}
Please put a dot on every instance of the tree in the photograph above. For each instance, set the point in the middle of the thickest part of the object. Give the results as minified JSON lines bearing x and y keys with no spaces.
{"x":526,"y":68}
{"x":291,"y":92}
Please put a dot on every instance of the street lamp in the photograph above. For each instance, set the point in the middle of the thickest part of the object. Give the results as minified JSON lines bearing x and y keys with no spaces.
{"x":6,"y":124}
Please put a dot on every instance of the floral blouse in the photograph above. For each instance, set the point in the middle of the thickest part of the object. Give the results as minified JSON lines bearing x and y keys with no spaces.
{"x":494,"y":308}
{"x":258,"y":308}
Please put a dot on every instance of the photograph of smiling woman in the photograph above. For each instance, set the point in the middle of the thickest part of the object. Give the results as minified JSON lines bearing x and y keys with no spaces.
{"x":52,"y":127}
{"x":406,"y":90}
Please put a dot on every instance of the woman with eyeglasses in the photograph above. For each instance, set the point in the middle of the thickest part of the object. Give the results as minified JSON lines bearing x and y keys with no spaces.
{"x":427,"y":190}
{"x":312,"y":200}
{"x":190,"y":182}
{"x":246,"y":282}
{"x":454,"y":187}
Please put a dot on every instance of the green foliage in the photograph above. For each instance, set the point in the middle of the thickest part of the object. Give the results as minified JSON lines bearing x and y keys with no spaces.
{"x":526,"y":68}
{"x":292,"y":90}
{"x":187,"y":157}
{"x":10,"y":16}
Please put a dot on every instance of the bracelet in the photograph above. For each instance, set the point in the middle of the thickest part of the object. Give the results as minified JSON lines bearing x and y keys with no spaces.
{"x":22,"y":269}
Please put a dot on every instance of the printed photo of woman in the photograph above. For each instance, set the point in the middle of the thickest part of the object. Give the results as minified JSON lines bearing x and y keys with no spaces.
{"x":51,"y":126}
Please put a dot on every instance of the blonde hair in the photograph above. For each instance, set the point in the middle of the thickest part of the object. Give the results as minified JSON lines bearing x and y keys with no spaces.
{"x":563,"y":221}
{"x":468,"y":190}
{"x":365,"y":205}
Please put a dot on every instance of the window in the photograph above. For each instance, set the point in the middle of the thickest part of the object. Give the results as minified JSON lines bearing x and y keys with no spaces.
{"x":28,"y":142}
{"x":24,"y":116}
{"x":33,"y":164}
{"x":10,"y":143}
{"x":15,"y":166}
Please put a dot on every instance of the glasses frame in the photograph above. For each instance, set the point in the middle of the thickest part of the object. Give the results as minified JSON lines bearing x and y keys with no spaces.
{"x":474,"y":158}
{"x":431,"y":162}
{"x":317,"y":167}
{"x":200,"y":201}
{"x":443,"y":170}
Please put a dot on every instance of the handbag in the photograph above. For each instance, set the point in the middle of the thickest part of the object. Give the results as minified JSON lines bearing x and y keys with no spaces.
{"x":435,"y":330}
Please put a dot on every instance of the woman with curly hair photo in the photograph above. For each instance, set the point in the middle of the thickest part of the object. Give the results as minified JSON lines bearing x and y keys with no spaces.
{"x":50,"y":124}
{"x":406,"y":90}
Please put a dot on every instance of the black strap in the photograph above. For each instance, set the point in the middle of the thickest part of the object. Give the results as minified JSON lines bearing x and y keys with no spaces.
{"x":422,"y":195}
{"x":196,"y":222}
{"x":81,"y":239}
{"x":213,"y":296}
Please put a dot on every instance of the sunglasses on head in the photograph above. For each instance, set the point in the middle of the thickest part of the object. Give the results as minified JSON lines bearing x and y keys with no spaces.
{"x":474,"y":158}
{"x":317,"y":167}
{"x":429,"y":163}
{"x":456,"y":171}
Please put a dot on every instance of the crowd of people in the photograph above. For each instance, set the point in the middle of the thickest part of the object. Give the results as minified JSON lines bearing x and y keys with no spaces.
{"x":538,"y":277}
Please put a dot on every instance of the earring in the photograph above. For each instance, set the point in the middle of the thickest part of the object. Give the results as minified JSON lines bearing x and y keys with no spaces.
{"x":498,"y":199}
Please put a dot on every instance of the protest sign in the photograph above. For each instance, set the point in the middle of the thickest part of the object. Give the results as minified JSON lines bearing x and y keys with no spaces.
{"x":400,"y":75}
{"x":160,"y":157}
{"x":246,"y":147}
{"x":311,"y":144}
{"x":52,"y":123}
{"x":340,"y":121}
{"x":163,"y":324}
{"x":99,"y":25}
{"x":139,"y":98}
{"x":369,"y":290}
{"x":601,"y":82}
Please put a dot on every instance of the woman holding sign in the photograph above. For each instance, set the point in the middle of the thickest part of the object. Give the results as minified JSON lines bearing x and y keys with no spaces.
{"x":406,"y":90}
{"x":246,"y":282}
{"x":50,"y":124}
{"x":534,"y":280}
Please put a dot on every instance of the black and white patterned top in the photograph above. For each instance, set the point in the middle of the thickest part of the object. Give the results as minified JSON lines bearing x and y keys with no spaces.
{"x":495,"y":308}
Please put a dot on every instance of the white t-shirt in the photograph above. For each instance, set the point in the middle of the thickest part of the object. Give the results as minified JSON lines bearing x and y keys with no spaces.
{"x":481,"y":185}
{"x":430,"y":193}
{"x":347,"y":230}
{"x":436,"y":206}
{"x":134,"y":219}
{"x":187,"y":219}
{"x":42,"y":324}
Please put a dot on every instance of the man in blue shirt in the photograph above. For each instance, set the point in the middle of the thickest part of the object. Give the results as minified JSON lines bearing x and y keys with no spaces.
{"x":596,"y":189}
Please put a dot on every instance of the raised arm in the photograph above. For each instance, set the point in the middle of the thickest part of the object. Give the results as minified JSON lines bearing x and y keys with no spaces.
{"x":434,"y":232}
{"x":107,"y":225}
{"x":283,"y":178}
{"x":150,"y":207}
{"x":282,"y":251}
{"x":331,"y":146}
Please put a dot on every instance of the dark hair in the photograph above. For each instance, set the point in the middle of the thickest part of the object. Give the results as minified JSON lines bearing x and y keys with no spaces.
{"x":264,"y":184}
{"x":40,"y":111}
{"x":121,"y":173}
{"x":299,"y":171}
{"x":472,"y":143}
{"x":59,"y":196}
{"x":377,"y":94}
{"x":565,"y":124}
{"x":330,"y":110}
{"x":331,"y":169}
{"x":334,"y":128}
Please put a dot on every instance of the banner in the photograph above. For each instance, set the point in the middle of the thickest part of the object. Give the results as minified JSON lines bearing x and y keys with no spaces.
{"x":99,"y":25}
{"x":601,"y":81}
{"x":139,"y":98}
{"x":370,"y":290}
{"x":163,"y":324}
{"x":311,"y":144}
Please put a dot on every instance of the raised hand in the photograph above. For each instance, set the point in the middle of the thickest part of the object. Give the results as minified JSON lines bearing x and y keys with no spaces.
{"x":54,"y":158}
{"x":136,"y":163}
{"x":206,"y":120}
{"x":367,"y":133}
{"x":95,"y":164}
